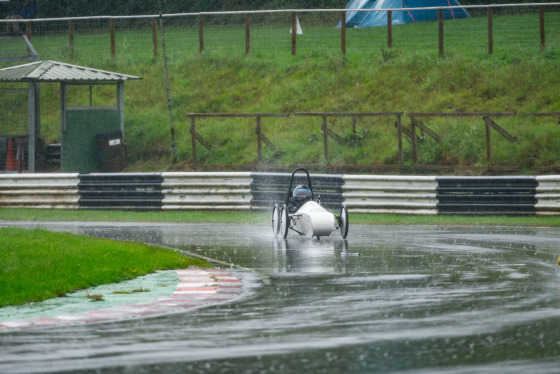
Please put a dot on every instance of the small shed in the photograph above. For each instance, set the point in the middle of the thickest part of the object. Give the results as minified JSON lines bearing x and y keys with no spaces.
{"x":80,"y":125}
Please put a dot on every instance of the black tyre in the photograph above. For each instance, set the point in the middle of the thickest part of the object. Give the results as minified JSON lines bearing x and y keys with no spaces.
{"x":343,"y":221}
{"x":284,"y":222}
{"x":275,"y":220}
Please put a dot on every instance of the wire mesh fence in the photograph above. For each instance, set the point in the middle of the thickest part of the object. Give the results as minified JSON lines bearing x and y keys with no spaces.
{"x":13,"y":127}
{"x":14,"y":113}
{"x":269,"y":32}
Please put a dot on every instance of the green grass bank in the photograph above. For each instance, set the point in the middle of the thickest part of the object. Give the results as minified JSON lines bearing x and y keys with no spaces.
{"x":36,"y":264}
{"x":411,"y":77}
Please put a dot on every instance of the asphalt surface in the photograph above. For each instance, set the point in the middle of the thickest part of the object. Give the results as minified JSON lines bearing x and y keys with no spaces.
{"x":419,"y":299}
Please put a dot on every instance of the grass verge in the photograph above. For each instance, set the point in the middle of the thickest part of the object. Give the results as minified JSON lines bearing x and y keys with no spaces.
{"x":37,"y":265}
{"x":24,"y":214}
{"x":397,"y":219}
{"x":19,"y":214}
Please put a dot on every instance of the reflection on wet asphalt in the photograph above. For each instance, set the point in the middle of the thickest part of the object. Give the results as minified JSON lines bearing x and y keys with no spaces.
{"x":418,"y":299}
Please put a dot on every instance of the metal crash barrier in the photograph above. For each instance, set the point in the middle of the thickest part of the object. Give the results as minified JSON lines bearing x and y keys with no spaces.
{"x":375,"y":194}
{"x":48,"y":191}
{"x":548,"y":195}
{"x":127,"y":191}
{"x":206,"y":191}
{"x":486,"y":195}
{"x":390,"y":194}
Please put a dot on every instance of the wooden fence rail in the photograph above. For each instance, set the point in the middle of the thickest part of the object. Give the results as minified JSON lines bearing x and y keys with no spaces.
{"x":261,"y":137}
{"x":486,"y":117}
{"x":329,"y":132}
{"x":417,"y":120}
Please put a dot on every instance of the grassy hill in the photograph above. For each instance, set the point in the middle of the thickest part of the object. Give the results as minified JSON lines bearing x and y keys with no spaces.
{"x":411,"y":77}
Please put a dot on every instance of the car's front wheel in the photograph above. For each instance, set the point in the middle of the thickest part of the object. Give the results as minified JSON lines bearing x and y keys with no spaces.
{"x":284,"y":222}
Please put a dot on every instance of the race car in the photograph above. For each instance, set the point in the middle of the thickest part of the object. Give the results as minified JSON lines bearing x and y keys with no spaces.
{"x":304,"y":216}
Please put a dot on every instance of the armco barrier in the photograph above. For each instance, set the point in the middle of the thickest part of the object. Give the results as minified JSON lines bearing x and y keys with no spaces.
{"x":486,"y":195}
{"x":206,"y":191}
{"x":259,"y":191}
{"x":548,"y":195}
{"x":49,"y":191}
{"x":390,"y":194}
{"x":130,"y":191}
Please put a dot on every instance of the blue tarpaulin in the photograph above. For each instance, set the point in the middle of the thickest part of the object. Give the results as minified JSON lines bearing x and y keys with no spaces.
{"x":409,"y":12}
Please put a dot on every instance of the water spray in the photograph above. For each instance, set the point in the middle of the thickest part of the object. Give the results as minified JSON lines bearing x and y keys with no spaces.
{"x":174,"y":150}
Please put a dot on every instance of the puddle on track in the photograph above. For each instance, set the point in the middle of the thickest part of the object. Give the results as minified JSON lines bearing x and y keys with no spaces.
{"x":419,"y":299}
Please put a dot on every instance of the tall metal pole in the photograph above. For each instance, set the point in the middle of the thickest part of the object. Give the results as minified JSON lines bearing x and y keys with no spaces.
{"x":169,"y":106}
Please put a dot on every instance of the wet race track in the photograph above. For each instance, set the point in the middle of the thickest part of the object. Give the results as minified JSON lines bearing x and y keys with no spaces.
{"x":418,"y":299}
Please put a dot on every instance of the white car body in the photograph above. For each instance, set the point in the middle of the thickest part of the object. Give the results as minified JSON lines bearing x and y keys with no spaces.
{"x":313,"y":220}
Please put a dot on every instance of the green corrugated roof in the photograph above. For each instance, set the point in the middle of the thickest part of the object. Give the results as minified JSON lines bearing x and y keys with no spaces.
{"x":53,"y":71}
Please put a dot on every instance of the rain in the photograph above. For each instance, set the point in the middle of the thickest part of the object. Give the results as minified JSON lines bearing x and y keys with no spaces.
{"x":415,"y":299}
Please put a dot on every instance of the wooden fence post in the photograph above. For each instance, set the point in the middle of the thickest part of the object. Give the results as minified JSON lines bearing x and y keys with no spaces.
{"x":488,"y":144}
{"x":71,"y":36}
{"x":294,"y":33}
{"x":490,"y":32}
{"x":200,"y":33}
{"x":325,"y":139}
{"x":343,"y":33}
{"x":247,"y":33}
{"x":541,"y":24}
{"x":440,"y":30}
{"x":112,"y":32}
{"x":390,"y":29}
{"x":193,"y":140}
{"x":399,"y":138}
{"x":259,"y":139}
{"x":413,"y":139}
{"x":154,"y":36}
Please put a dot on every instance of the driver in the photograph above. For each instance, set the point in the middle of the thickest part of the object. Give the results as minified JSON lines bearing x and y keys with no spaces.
{"x":301,"y":194}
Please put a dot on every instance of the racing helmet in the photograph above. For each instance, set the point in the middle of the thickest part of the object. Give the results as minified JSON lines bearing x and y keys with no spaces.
{"x":301,"y":192}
